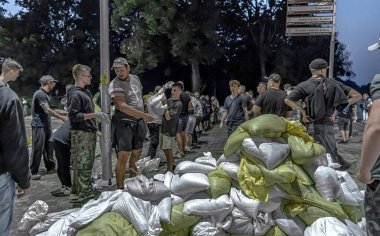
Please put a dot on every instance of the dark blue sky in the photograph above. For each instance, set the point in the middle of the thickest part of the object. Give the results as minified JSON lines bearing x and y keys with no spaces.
{"x":357,"y":27}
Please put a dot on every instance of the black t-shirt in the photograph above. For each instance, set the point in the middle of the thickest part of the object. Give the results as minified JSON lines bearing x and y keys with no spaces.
{"x":271,"y":101}
{"x":306,"y":88}
{"x":169,"y":127}
{"x":235,"y":112}
{"x":39,"y":117}
{"x":63,"y":134}
{"x":185,"y":99}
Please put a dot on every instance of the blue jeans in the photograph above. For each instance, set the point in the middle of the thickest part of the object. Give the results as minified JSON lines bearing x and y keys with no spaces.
{"x":7,"y":196}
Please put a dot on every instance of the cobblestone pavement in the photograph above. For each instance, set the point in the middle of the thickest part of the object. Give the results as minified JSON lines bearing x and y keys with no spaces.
{"x":212,"y":141}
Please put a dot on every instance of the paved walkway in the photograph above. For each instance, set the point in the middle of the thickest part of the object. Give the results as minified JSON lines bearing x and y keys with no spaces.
{"x":212,"y":141}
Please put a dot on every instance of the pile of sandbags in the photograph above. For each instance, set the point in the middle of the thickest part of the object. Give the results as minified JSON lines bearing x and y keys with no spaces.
{"x":271,"y":180}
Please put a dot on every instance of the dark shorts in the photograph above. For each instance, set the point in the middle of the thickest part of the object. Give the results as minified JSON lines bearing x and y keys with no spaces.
{"x":128,"y":135}
{"x":371,"y":208}
{"x":182,"y":122}
{"x":343,"y":124}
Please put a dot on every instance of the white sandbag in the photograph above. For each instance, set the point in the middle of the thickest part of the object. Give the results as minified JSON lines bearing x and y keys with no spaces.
{"x":271,"y":153}
{"x":165,"y":206}
{"x":93,"y":209}
{"x":234,"y":158}
{"x":355,"y":229}
{"x":362,"y":224}
{"x":329,"y":226}
{"x":312,"y":166}
{"x":207,"y":228}
{"x":192,"y":167}
{"x":198,"y":195}
{"x":62,"y":227}
{"x":276,"y":192}
{"x":206,"y":159}
{"x":155,"y":105}
{"x":49,"y":220}
{"x":241,"y":223}
{"x":146,"y":189}
{"x":327,"y":183}
{"x":248,"y":205}
{"x":189,"y":183}
{"x":221,"y":206}
{"x":35,"y":214}
{"x":263,"y":223}
{"x":351,"y":194}
{"x":147,"y":165}
{"x":141,"y":214}
{"x":290,"y":225}
{"x":159,"y":177}
{"x":251,"y":149}
{"x":230,"y":168}
{"x":271,"y":205}
{"x":331,"y":163}
{"x":274,"y":154}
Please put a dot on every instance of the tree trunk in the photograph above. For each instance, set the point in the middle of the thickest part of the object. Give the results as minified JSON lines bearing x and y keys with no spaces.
{"x":195,"y":76}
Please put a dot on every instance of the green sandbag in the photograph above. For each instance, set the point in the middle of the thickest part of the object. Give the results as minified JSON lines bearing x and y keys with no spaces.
{"x":309,"y":196}
{"x":182,"y":232}
{"x":307,"y":213}
{"x":179,"y":220}
{"x":296,"y":128}
{"x":220,"y":183}
{"x":355,"y":213}
{"x":275,"y":231}
{"x":302,"y":152}
{"x":234,"y":141}
{"x":265,"y":126}
{"x":108,"y":224}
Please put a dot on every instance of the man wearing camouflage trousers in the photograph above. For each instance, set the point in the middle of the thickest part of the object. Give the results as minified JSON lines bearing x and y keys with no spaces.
{"x":83,"y":133}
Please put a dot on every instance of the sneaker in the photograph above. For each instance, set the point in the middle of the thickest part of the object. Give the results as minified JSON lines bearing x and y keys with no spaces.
{"x":345,"y":166}
{"x":51,"y":171}
{"x":187,"y":148}
{"x":67,"y":191}
{"x":36,"y":177}
{"x":180,"y":155}
{"x":342,"y":141}
{"x":73,"y":197}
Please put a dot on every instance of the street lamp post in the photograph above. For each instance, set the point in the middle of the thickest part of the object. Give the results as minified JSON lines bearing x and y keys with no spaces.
{"x":105,"y":97}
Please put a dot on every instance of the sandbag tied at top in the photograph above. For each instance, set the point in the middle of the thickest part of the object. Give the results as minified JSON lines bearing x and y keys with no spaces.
{"x":193,"y":167}
{"x":189,"y":183}
{"x":146,"y":189}
{"x":351,"y":194}
{"x":265,"y":126}
{"x":221,"y":206}
{"x":327,"y":183}
{"x":303,"y":152}
{"x":270,"y":153}
{"x":234,"y":141}
{"x":179,"y":221}
{"x":296,"y":128}
{"x":248,"y":205}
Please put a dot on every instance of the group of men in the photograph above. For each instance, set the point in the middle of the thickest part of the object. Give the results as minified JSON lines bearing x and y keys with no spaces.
{"x":321,"y":95}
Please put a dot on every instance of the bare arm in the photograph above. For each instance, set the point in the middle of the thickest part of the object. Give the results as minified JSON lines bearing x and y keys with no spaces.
{"x":123,"y":107}
{"x":256,"y":110}
{"x":354,"y":96}
{"x":246,"y":115}
{"x":370,"y":149}
{"x":224,"y":116}
{"x":51,"y":112}
{"x":167,"y":114}
{"x":294,"y":106}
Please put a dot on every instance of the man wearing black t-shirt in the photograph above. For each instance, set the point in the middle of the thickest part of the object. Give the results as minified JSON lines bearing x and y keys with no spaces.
{"x":271,"y":101}
{"x":332,"y":91}
{"x":41,"y":127}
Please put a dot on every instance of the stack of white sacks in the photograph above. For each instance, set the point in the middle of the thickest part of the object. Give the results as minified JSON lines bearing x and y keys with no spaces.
{"x":256,"y":189}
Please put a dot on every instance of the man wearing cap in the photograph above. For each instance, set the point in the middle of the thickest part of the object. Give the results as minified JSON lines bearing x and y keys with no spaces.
{"x":271,"y":101}
{"x":369,"y":168}
{"x":41,"y":127}
{"x":233,"y":108}
{"x":322,"y":96}
{"x":128,"y":123}
{"x":14,"y":158}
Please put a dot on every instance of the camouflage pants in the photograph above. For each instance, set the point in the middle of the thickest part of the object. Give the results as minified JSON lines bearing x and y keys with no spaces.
{"x":82,"y":155}
{"x":371,"y":207}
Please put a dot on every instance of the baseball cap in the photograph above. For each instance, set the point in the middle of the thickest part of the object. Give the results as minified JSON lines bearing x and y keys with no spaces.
{"x":47,"y":78}
{"x":318,"y":64}
{"x":275,"y":78}
{"x":374,"y":46}
{"x":119,"y":62}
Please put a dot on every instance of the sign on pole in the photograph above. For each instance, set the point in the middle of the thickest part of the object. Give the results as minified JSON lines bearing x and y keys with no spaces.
{"x":309,"y":20}
{"x":308,"y":1}
{"x":297,"y":10}
{"x":309,"y":31}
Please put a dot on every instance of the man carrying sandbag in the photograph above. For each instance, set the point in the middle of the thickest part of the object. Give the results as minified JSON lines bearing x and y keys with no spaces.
{"x":369,"y":169}
{"x":322,"y":96}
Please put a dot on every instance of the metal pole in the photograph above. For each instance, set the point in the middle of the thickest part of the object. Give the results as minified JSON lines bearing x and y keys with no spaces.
{"x":105,"y":97}
{"x":332,"y":45}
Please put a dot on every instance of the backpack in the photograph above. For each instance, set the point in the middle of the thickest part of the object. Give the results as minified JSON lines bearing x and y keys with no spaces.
{"x":316,"y":101}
